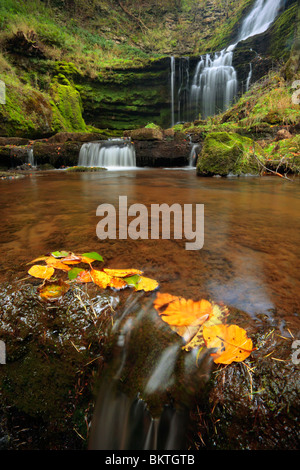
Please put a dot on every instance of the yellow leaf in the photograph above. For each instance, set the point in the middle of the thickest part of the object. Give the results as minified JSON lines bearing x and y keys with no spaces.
{"x":121,"y":272}
{"x":146,"y":284}
{"x":57,"y":264}
{"x":100,"y":278}
{"x":41,"y":272}
{"x":195,"y":338}
{"x":231,"y":342}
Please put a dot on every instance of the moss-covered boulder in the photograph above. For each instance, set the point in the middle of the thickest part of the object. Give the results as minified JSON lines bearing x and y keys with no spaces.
{"x":66,"y":105}
{"x":225,"y":153}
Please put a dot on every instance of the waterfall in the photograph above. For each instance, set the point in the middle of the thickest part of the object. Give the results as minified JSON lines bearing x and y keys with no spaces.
{"x":215,"y":82}
{"x":149,"y":383}
{"x":31,"y":160}
{"x":249,"y":78}
{"x":108,"y":154}
{"x":194,"y":154}
{"x":172,"y":90}
{"x":260,"y":18}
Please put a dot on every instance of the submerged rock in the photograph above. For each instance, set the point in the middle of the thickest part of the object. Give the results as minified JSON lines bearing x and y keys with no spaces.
{"x":225,"y":153}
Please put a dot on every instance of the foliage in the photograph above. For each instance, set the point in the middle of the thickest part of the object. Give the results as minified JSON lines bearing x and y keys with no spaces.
{"x":62,"y":261}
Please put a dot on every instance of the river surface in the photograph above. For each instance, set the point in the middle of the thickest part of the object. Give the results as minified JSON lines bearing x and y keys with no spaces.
{"x":250,"y":257}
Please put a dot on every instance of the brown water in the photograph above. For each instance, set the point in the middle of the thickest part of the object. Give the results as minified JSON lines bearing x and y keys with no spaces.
{"x":250,"y":257}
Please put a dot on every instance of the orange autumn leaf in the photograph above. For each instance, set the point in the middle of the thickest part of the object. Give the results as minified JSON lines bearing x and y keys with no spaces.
{"x":117,"y":283}
{"x":71,"y":259}
{"x":182,"y":312}
{"x":84,"y":276}
{"x":231,"y":342}
{"x":162,"y":300}
{"x":146,"y":284}
{"x":100,"y":278}
{"x":52,"y":290}
{"x":41,"y":272}
{"x":57,"y":264}
{"x":121,"y":272}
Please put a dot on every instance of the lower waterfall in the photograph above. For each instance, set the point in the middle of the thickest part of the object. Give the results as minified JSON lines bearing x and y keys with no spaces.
{"x":108,"y":154}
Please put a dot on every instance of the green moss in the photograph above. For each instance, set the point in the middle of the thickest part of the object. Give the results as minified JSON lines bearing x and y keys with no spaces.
{"x":285,"y":154}
{"x":226,"y":153}
{"x":67,"y":106}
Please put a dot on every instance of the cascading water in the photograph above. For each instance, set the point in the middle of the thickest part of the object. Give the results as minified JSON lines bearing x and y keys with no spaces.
{"x":108,"y":154}
{"x":31,"y":159}
{"x":215,"y":83}
{"x":146,"y":390}
{"x":260,"y":18}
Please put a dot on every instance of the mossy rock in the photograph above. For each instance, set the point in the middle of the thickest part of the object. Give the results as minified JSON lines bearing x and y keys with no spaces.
{"x":225,"y":153}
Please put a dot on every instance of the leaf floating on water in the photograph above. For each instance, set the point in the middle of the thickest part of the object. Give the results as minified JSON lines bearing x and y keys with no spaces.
{"x":231,"y":342}
{"x":40,"y":258}
{"x":60,"y":254}
{"x":182,"y":312}
{"x":74,"y":272}
{"x":117,"y":283}
{"x":84,"y":276}
{"x":57,"y":264}
{"x":163,"y":300}
{"x":93,"y":255}
{"x":71,"y":259}
{"x":132,"y":281}
{"x":100,"y":278}
{"x":41,"y":272}
{"x":122,"y":272}
{"x":146,"y":284}
{"x":52,"y":290}
{"x":195,"y":339}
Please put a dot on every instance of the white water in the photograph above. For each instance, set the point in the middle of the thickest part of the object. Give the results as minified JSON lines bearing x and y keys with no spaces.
{"x":215,"y":82}
{"x":107,"y":154}
{"x":31,"y":159}
{"x":172,"y":90}
{"x":260,"y":18}
{"x":193,"y":155}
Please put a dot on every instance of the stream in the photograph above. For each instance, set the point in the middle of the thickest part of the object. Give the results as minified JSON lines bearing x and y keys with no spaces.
{"x":249,"y":261}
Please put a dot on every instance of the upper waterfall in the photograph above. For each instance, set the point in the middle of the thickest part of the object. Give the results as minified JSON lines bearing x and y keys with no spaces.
{"x":214,"y":85}
{"x":260,"y":18}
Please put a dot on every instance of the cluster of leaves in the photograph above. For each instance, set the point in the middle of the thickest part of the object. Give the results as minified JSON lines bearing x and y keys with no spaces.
{"x":200,"y":324}
{"x":53,"y":288}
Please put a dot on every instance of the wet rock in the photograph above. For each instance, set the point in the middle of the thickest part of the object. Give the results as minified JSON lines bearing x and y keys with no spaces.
{"x":225,"y":153}
{"x":148,"y":134}
{"x":62,"y":137}
{"x":162,"y":154}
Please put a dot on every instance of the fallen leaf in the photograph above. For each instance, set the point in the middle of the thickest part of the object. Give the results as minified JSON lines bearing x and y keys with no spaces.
{"x":52,"y":290}
{"x":60,"y":254}
{"x":71,"y":259}
{"x":121,"y":272}
{"x":84,"y":276}
{"x":41,"y":272}
{"x":146,"y":284}
{"x":194,"y":339}
{"x":182,"y":312}
{"x":231,"y":342}
{"x":57,"y":264}
{"x":100,"y":278}
{"x":117,"y":283}
{"x":162,"y":300}
{"x":74,"y":272}
{"x":93,"y":255}
{"x":40,"y":258}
